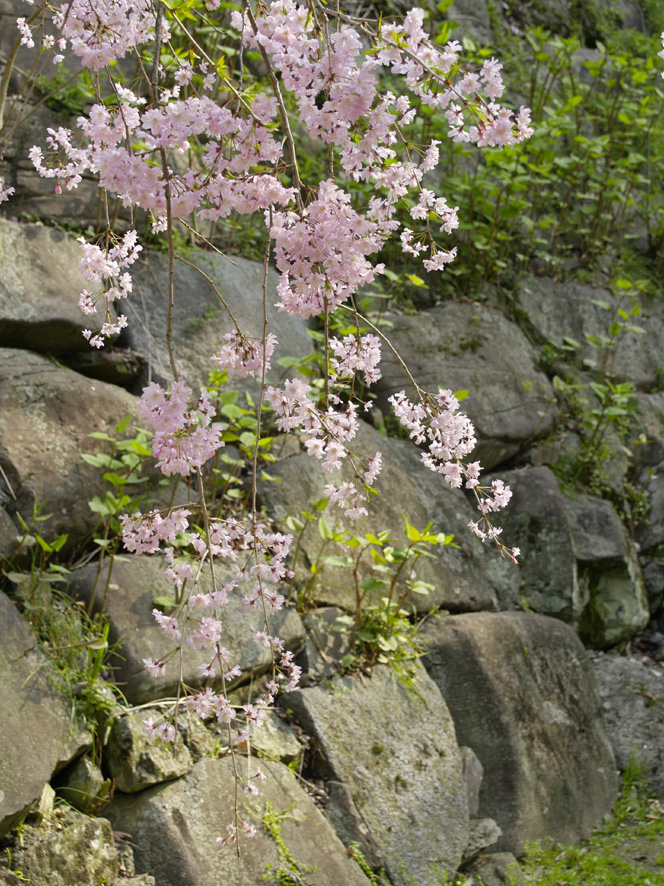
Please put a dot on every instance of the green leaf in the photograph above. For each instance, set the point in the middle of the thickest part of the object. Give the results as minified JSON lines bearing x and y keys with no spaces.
{"x":412,"y":534}
{"x":373,"y":584}
{"x":344,"y":562}
{"x":324,"y":529}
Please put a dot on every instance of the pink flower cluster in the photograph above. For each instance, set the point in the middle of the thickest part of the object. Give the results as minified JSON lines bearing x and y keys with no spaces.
{"x":185,"y":436}
{"x":107,"y":266}
{"x":450,"y":438}
{"x":5,"y":193}
{"x":327,"y":435}
{"x":356,"y":354}
{"x":101,"y":31}
{"x":242,"y":356}
{"x":322,"y":252}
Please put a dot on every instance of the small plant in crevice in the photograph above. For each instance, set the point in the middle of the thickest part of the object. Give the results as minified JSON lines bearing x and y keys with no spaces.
{"x":603,"y":409}
{"x":381,"y":574}
{"x":75,"y":642}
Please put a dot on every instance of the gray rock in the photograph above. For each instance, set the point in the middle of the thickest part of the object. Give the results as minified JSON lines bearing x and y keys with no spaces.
{"x":174,"y":828}
{"x":275,"y":740}
{"x":473,"y":773}
{"x":71,"y":849}
{"x":46,"y":415}
{"x":402,"y":777}
{"x":522,"y":695}
{"x":325,"y":645}
{"x":536,"y":521}
{"x":454,"y":345}
{"x":577,"y":562}
{"x":197,"y":737}
{"x":649,"y":535}
{"x":560,"y":309}
{"x":8,"y":533}
{"x":200,"y":321}
{"x":349,"y":824}
{"x":135,"y":583}
{"x":137,"y":760}
{"x":36,"y":713}
{"x":85,"y":786}
{"x":495,"y":869}
{"x":463,"y":577}
{"x":610,"y":577}
{"x":39,"y":289}
{"x":633,"y":709}
{"x":143,"y":880}
{"x":483,"y":833}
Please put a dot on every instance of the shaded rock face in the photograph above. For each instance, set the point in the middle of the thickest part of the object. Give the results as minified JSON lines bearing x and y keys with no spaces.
{"x":398,"y":756}
{"x":200,"y":320}
{"x":40,"y":285}
{"x":650,"y":537}
{"x":557,"y":309}
{"x":578,"y":563}
{"x":174,"y":828}
{"x":633,"y":709}
{"x":37,"y":735}
{"x":511,"y":402}
{"x":467,"y":577}
{"x":134,"y":584}
{"x":46,"y":416}
{"x":522,"y":696}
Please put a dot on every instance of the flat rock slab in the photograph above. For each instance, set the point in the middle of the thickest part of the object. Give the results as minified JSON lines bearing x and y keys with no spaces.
{"x":522,"y":695}
{"x":200,"y":321}
{"x":468,"y":577}
{"x":37,"y":735}
{"x":46,"y":416}
{"x":134,"y":584}
{"x":40,"y":285}
{"x":397,"y":754}
{"x":174,"y":828}
{"x":577,"y":561}
{"x":455,"y":345}
{"x":559,"y":309}
{"x":633,"y":707}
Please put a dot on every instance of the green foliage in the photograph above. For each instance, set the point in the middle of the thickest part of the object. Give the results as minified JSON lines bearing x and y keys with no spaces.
{"x":76,"y":643}
{"x":580,"y":190}
{"x":624,"y":852}
{"x":288,"y":871}
{"x":605,"y":412}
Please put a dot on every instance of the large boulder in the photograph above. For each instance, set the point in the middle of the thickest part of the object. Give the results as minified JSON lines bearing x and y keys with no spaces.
{"x":174,"y":829}
{"x":38,"y":734}
{"x":633,"y":707}
{"x":577,"y":561}
{"x":133,"y":586}
{"x":465,"y":577}
{"x":200,"y":320}
{"x":522,"y":696}
{"x":40,"y":284}
{"x":395,"y":749}
{"x":46,"y":416}
{"x":455,"y":345}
